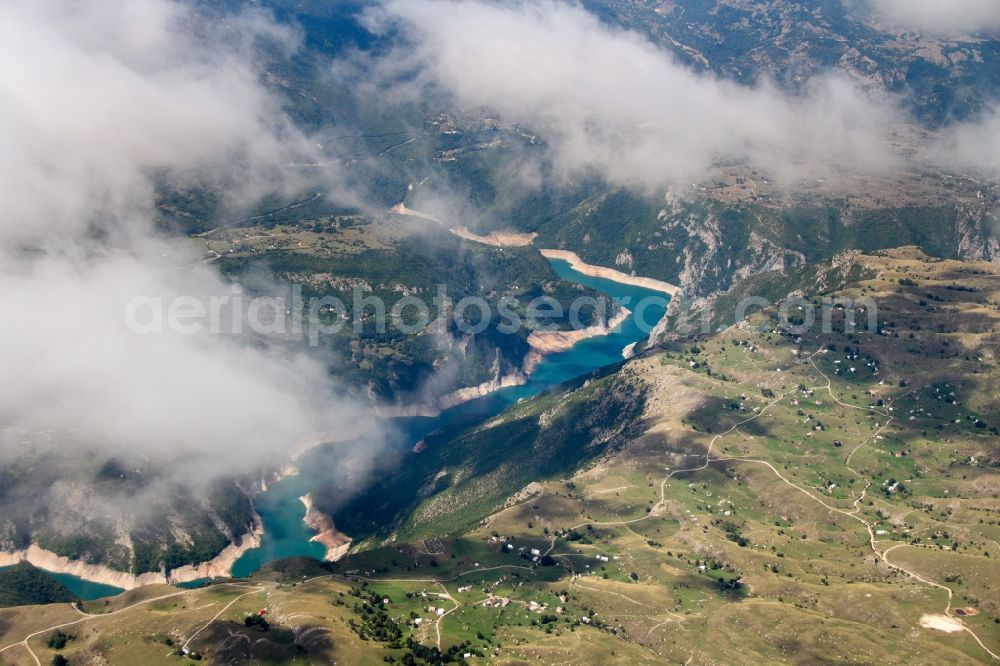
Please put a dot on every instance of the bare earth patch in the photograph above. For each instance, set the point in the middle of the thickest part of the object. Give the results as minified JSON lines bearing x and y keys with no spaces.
{"x":941,"y":623}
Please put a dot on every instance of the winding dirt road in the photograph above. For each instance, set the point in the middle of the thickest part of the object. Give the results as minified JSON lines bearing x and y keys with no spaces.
{"x":853,"y":513}
{"x":92,"y":616}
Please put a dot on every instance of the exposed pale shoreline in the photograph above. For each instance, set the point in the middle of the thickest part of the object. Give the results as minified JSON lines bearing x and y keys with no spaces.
{"x":496,"y":238}
{"x":461,"y":395}
{"x":337,"y":543}
{"x":544,"y":343}
{"x":578,"y":264}
{"x":401,"y":209}
{"x":449,"y":400}
{"x":220,"y":565}
{"x":516,"y":239}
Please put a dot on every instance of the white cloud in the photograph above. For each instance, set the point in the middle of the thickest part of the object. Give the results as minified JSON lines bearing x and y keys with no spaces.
{"x":200,"y":400}
{"x":974,"y":144}
{"x":96,"y":100}
{"x":96,"y":96}
{"x":943,"y":17}
{"x":610,"y":100}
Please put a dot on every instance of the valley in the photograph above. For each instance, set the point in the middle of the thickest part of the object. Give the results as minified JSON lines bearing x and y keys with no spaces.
{"x":433,"y":332}
{"x":765,"y":496}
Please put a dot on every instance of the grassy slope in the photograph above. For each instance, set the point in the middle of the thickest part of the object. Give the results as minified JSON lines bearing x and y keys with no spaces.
{"x":465,"y":474}
{"x":786,"y":576}
{"x":810,"y":586}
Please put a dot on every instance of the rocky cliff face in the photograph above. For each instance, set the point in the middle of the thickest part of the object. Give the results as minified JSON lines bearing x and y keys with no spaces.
{"x":63,"y":499}
{"x":218,"y":566}
{"x":337,"y":544}
{"x":710,"y":246}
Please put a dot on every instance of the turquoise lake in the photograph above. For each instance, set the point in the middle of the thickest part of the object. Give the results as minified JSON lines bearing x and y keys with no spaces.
{"x":282,"y":513}
{"x":84,"y":589}
{"x":285,"y":535}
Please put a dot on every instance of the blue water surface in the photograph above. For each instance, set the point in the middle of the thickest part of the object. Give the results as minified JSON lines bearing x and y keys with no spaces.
{"x":282,"y":513}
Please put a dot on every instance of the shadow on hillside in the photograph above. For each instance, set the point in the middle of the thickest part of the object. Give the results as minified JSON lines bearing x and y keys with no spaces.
{"x":232,"y":643}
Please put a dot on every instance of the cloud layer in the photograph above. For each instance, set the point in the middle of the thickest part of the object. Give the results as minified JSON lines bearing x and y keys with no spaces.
{"x":973,"y":145}
{"x":611,"y":101}
{"x":943,"y":17}
{"x":99,"y":100}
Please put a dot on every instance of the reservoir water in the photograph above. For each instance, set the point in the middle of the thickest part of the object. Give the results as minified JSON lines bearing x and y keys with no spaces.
{"x":82,"y":588}
{"x":86,"y":589}
{"x":285,"y":534}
